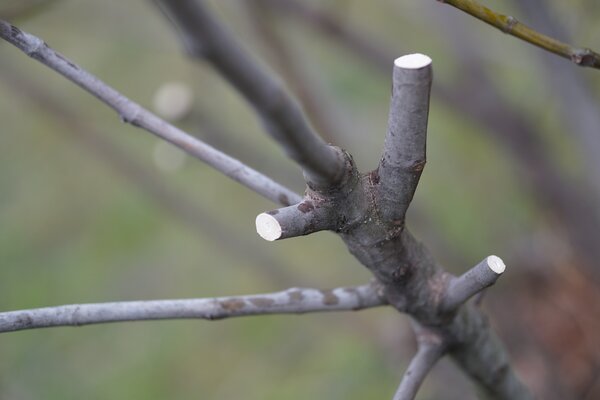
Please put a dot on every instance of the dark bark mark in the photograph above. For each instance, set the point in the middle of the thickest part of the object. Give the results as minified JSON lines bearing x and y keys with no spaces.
{"x":69,"y":63}
{"x":374,"y":177}
{"x":329,"y":299}
{"x":232,"y":305}
{"x":418,"y":166}
{"x":262,"y":302}
{"x":14,"y":31}
{"x":273,"y":212}
{"x":296,"y":296}
{"x":306,"y":206}
{"x":283,"y":199}
{"x":25,"y":321}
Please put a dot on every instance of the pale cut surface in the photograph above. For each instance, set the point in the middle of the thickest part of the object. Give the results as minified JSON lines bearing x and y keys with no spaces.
{"x":496,"y":264}
{"x":268,"y":227}
{"x":413,"y":61}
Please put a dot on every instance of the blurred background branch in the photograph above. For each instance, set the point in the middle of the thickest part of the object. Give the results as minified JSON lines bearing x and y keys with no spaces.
{"x":509,"y":25}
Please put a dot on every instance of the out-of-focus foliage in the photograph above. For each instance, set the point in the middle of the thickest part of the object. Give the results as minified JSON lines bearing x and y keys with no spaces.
{"x":77,"y":226}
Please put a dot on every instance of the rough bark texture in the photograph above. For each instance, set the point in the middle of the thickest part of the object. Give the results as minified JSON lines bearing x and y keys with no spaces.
{"x":373,"y":228}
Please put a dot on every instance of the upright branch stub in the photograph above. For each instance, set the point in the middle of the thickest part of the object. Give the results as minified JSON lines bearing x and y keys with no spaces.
{"x":205,"y":37}
{"x":403,"y":156}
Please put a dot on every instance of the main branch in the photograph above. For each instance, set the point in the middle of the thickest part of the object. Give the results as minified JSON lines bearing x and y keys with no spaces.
{"x":204,"y":36}
{"x":136,"y":115}
{"x":291,"y":301}
{"x":507,"y":24}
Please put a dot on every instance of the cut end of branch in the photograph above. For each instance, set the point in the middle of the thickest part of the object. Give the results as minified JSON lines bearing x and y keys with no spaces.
{"x":413,"y":61}
{"x":268,"y":227}
{"x":496,"y":264}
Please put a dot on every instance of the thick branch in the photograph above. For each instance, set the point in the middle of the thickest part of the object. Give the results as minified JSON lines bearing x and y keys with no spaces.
{"x":472,"y":282}
{"x":204,"y":36}
{"x":580,"y":56}
{"x":507,"y":124}
{"x":403,"y":157}
{"x":136,"y":115}
{"x":431,"y":349}
{"x":291,"y":301}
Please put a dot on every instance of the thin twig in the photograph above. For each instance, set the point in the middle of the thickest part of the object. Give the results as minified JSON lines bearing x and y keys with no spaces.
{"x":136,"y":115}
{"x":431,"y":349}
{"x":509,"y":25}
{"x":177,"y":204}
{"x":291,"y":301}
{"x":204,"y":36}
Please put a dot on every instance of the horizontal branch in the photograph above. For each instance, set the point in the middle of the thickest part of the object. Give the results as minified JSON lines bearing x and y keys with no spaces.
{"x":403,"y":156}
{"x":297,"y":220}
{"x":472,"y":282}
{"x":580,"y":56}
{"x":136,"y":115}
{"x":206,"y":37}
{"x":291,"y":301}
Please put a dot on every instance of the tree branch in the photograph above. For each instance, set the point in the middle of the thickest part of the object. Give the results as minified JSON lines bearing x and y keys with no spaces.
{"x":403,"y":157}
{"x":290,"y":67}
{"x":290,"y":301}
{"x":204,"y":36}
{"x":136,"y":115}
{"x":177,"y":204}
{"x":580,"y":56}
{"x":297,"y":220}
{"x":505,"y":123}
{"x":472,"y":282}
{"x":431,"y":349}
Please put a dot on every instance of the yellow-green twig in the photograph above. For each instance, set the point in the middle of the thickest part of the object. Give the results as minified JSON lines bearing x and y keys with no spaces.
{"x":580,"y":56}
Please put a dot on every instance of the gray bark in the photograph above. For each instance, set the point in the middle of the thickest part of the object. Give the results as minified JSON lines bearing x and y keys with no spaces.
{"x":136,"y":115}
{"x":366,"y":210}
{"x":291,"y":301}
{"x":283,"y":118}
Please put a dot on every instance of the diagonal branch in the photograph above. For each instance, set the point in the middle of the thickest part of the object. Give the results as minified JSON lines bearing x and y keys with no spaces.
{"x":431,"y":348}
{"x":461,"y":289}
{"x":290,"y":301}
{"x":179,"y":206}
{"x":136,"y":115}
{"x":204,"y":36}
{"x":290,"y":66}
{"x":507,"y":24}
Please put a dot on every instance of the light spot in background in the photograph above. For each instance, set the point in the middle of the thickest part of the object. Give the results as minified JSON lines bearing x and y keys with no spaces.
{"x":167,"y":157}
{"x":173,"y":100}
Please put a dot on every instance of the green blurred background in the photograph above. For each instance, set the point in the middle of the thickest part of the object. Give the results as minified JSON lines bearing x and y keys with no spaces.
{"x":94,"y":210}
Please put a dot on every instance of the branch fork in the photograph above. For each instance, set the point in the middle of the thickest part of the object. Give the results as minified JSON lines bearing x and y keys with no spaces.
{"x":366,"y":210}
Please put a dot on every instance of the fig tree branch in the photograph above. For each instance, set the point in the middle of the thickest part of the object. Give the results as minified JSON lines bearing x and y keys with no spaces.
{"x":290,"y":301}
{"x":136,"y":115}
{"x":509,"y":25}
